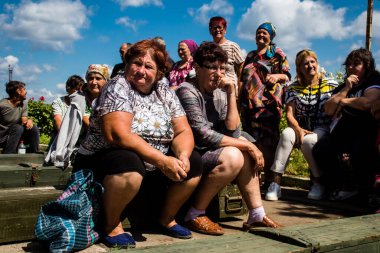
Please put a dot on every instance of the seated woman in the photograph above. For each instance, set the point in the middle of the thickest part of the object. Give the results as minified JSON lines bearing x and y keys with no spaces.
{"x":210,"y":105}
{"x":307,"y":122}
{"x":348,"y":156}
{"x":180,"y":70}
{"x":60,"y":105}
{"x":97,"y":76}
{"x":138,"y":131}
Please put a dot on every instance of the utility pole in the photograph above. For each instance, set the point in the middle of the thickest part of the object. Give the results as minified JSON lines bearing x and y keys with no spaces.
{"x":368,"y":37}
{"x":10,"y":71}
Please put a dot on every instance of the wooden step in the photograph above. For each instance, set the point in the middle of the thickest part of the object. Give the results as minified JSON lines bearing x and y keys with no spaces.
{"x":31,"y":175}
{"x":13,"y":159}
{"x":19,"y":208}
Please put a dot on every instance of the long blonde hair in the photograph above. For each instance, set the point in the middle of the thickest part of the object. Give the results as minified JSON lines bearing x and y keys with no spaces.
{"x":301,"y":55}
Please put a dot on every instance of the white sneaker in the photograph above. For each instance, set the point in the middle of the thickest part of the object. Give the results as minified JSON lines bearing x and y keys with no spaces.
{"x":274,"y":192}
{"x":316,"y":191}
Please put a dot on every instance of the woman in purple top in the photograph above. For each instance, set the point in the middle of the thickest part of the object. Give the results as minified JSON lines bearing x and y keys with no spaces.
{"x":181,"y":69}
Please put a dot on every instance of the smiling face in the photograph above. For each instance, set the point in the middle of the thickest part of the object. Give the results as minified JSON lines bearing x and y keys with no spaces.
{"x":309,"y":67}
{"x":262,"y":38}
{"x":209,"y":75}
{"x":95,"y":83}
{"x":217,"y":31}
{"x":141,"y":73}
{"x":184,"y":51}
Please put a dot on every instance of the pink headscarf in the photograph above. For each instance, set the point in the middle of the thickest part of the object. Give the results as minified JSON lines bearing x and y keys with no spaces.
{"x":192,"y":45}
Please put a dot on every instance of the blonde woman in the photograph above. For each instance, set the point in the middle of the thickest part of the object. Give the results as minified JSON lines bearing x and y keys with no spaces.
{"x":307,"y":122}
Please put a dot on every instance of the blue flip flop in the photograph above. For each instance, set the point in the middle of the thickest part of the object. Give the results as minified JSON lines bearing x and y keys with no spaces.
{"x":122,"y":241}
{"x":178,"y":231}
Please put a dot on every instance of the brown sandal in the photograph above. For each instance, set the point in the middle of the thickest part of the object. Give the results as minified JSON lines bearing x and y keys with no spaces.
{"x":204,"y":225}
{"x":266,"y":222}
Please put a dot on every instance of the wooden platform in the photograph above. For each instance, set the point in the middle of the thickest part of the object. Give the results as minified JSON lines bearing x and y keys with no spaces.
{"x":357,"y":234}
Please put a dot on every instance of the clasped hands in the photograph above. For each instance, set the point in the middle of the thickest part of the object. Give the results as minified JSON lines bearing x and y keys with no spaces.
{"x":176,"y":169}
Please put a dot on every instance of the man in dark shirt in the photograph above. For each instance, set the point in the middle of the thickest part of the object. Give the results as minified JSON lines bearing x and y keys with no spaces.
{"x":14,"y":122}
{"x":119,"y":68}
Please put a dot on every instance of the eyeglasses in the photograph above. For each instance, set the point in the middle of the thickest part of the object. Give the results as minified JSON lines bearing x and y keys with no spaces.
{"x":214,"y":68}
{"x":220,"y":28}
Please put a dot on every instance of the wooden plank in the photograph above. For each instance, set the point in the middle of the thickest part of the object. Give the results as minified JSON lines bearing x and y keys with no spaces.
{"x":13,"y":159}
{"x":329,"y":236}
{"x":20,"y":176}
{"x":242,"y":243}
{"x":19,"y":209}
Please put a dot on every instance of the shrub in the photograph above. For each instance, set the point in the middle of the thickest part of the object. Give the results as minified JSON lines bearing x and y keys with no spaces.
{"x":41,"y":113}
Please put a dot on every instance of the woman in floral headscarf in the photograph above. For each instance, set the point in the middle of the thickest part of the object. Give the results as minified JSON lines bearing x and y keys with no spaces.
{"x":181,"y":69}
{"x":265,"y":71}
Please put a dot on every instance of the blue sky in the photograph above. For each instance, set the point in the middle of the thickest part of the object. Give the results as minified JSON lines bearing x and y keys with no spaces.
{"x":46,"y":41}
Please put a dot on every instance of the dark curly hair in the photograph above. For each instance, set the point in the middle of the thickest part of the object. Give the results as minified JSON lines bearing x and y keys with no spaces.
{"x":210,"y":52}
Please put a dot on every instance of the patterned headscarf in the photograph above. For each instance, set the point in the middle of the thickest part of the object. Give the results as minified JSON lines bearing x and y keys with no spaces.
{"x":192,"y":45}
{"x":271,"y":29}
{"x":101,"y":69}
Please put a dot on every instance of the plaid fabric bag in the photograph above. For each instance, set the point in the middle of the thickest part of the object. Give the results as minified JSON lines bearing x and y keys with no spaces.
{"x":67,"y":223}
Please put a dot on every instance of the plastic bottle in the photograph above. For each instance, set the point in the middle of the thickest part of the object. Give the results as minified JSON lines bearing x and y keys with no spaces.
{"x":22,"y":148}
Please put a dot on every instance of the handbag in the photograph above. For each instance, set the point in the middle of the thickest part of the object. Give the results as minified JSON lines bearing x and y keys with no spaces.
{"x":68,"y":223}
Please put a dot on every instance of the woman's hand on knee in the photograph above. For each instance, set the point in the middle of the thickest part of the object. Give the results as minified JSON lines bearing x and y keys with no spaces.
{"x":256,"y":155}
{"x":173,"y":169}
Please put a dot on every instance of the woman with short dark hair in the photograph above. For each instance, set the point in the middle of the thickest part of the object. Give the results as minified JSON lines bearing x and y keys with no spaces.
{"x":210,"y":104}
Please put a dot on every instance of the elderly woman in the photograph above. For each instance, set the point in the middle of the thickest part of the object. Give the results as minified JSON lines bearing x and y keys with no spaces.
{"x":348,"y":156}
{"x":307,"y":122}
{"x":210,"y":105}
{"x":181,"y":69}
{"x":218,"y":30}
{"x":264,"y":73}
{"x":139,"y":131}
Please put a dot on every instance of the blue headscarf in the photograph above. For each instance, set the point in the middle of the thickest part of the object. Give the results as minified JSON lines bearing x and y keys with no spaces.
{"x":271,"y":29}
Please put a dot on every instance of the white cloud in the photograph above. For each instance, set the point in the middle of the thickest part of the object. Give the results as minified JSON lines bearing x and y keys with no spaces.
{"x":358,"y":26}
{"x":36,"y":94}
{"x":127,"y":22}
{"x":103,"y":39}
{"x":244,"y":53}
{"x":61,"y":86}
{"x":48,"y":67}
{"x":298,"y":24}
{"x":25,"y":73}
{"x":45,"y":24}
{"x":5,"y":62}
{"x":357,"y":45}
{"x":137,"y":3}
{"x":216,"y":7}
